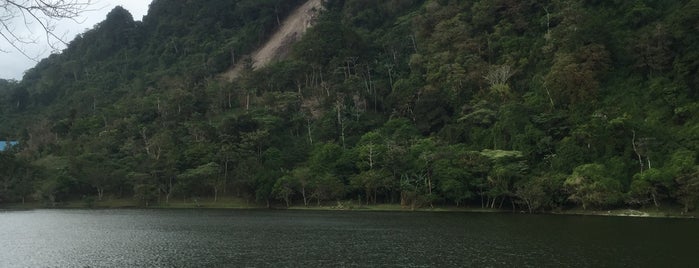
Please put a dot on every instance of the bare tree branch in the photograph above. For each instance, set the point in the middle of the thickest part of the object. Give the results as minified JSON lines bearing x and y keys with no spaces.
{"x":499,"y":74}
{"x":45,"y":13}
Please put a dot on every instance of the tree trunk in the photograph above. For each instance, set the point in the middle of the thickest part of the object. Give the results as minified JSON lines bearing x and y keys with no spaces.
{"x":655,"y":200}
{"x":635,"y":150}
{"x":482,"y":203}
{"x":276,"y":12}
{"x":303,"y":193}
{"x":247,"y":101}
{"x":308,"y":126}
{"x":339,"y":107}
{"x":230,"y":103}
{"x":215,"y":194}
{"x":368,"y":196}
{"x":225,"y":176}
{"x":169,"y":190}
{"x":412,"y":38}
{"x":375,"y":196}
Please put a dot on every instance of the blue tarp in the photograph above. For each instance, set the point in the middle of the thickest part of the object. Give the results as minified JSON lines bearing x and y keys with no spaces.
{"x":4,"y":144}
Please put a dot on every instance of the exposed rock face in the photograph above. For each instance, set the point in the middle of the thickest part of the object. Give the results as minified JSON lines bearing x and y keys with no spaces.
{"x":279,"y":44}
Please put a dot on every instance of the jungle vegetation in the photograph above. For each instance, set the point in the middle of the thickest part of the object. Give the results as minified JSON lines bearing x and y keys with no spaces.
{"x":529,"y":105}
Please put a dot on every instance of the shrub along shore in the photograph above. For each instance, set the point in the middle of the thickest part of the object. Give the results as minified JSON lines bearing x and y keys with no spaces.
{"x":347,"y":205}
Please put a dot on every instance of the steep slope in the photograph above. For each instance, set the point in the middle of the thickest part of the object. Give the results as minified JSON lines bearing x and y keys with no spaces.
{"x":524,"y":105}
{"x":279,"y":44}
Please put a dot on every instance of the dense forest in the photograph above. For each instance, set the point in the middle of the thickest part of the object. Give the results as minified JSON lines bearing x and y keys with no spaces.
{"x":526,"y":105}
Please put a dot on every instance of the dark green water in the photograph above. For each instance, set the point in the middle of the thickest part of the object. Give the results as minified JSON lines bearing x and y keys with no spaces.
{"x":264,"y":238}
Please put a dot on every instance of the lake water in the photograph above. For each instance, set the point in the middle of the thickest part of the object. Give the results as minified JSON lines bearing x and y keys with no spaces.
{"x":268,"y":238}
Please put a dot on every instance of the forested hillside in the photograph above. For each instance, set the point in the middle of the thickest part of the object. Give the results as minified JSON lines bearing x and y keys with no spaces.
{"x":527,"y":105}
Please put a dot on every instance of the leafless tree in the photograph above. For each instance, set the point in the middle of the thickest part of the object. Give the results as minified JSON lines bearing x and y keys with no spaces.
{"x":499,"y":74}
{"x":497,"y":77}
{"x":44,"y":13}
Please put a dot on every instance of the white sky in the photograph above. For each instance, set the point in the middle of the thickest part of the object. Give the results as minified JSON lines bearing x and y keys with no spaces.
{"x":13,"y":64}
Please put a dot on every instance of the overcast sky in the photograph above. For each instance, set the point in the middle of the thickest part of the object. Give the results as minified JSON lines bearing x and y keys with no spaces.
{"x":13,"y":64}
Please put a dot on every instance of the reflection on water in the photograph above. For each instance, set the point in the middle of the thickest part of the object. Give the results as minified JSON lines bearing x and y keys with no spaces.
{"x":266,"y":238}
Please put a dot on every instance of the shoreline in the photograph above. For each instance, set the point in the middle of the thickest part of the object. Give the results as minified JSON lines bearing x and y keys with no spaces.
{"x":667,"y":213}
{"x":636,"y":213}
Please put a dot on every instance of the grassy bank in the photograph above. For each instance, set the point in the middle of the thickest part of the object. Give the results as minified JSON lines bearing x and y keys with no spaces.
{"x":237,"y":203}
{"x":388,"y":207}
{"x":241,"y":203}
{"x":649,"y":212}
